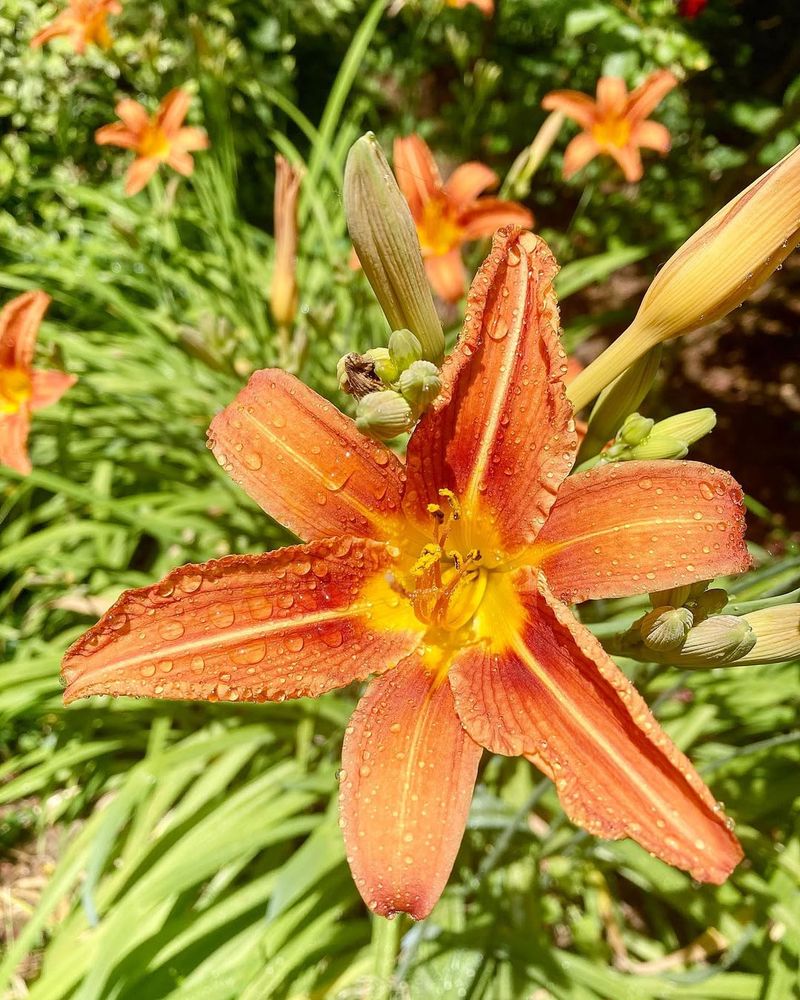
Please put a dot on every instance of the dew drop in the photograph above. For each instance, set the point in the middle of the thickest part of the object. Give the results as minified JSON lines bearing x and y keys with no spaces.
{"x":197,"y":663}
{"x":707,"y":491}
{"x":170,"y":630}
{"x":191,"y":582}
{"x":252,"y":460}
{"x":222,"y":615}
{"x":645,"y":484}
{"x":295,"y":643}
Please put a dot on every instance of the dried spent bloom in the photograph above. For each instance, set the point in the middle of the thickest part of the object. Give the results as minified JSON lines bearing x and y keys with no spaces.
{"x":449,"y":214}
{"x":156,"y":139}
{"x":83,"y":22}
{"x":23,"y":388}
{"x":615,"y":123}
{"x":283,"y":288}
{"x":447,"y":579}
{"x":718,"y":267}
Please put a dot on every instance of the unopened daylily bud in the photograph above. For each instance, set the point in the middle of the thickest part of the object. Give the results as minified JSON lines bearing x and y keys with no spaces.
{"x":718,"y":640}
{"x":518,"y":179}
{"x":420,"y":383}
{"x":665,"y":628}
{"x":777,"y":635}
{"x":712,"y":273}
{"x":618,"y":400}
{"x":404,"y":349}
{"x":384,"y":415}
{"x":386,"y":370}
{"x":658,"y":447}
{"x":283,"y":288}
{"x":385,"y":239}
{"x":709,"y":603}
{"x":687,"y":427}
{"x":635,"y":429}
{"x":675,"y":597}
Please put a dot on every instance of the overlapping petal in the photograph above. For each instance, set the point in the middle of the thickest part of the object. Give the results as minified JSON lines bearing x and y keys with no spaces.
{"x":298,"y":621}
{"x":19,"y":325}
{"x":304,"y":462}
{"x":117,"y":134}
{"x":47,"y":387}
{"x":501,"y":435}
{"x":612,"y":97}
{"x":556,"y":695}
{"x":172,"y":110}
{"x":468,"y":181}
{"x":416,"y":172}
{"x":649,"y":94}
{"x":14,"y":429}
{"x":580,"y":107}
{"x":486,"y":216}
{"x":633,"y":527}
{"x":408,"y":770}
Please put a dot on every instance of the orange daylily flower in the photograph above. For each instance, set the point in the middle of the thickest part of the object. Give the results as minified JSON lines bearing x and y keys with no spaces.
{"x":84,"y":22}
{"x":445,"y":578}
{"x":23,"y":388}
{"x":160,"y":138}
{"x":486,"y":7}
{"x":615,"y":123}
{"x":447,"y":215}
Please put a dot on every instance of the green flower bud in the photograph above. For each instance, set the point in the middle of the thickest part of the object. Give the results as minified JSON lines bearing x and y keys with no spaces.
{"x":404,"y":349}
{"x":675,"y":597}
{"x":777,"y":635}
{"x":385,"y":368}
{"x":710,"y":603}
{"x":717,"y":640}
{"x":420,"y":383}
{"x":687,"y":427}
{"x":665,"y":628}
{"x":657,"y":448}
{"x":384,"y":415}
{"x":385,"y":239}
{"x":635,"y":429}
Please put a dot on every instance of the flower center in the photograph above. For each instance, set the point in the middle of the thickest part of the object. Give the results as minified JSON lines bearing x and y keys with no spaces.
{"x":612,"y":132}
{"x":154,"y":142}
{"x":438,"y":229}
{"x":15,"y":389}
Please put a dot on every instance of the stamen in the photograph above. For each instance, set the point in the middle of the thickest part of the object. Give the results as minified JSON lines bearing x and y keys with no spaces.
{"x":429,"y":557}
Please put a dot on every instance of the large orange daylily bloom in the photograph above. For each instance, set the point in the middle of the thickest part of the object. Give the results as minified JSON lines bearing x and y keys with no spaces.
{"x":447,"y":215}
{"x":615,"y":123}
{"x":83,"y":22}
{"x":23,"y":388}
{"x":160,"y":138}
{"x":446,"y":580}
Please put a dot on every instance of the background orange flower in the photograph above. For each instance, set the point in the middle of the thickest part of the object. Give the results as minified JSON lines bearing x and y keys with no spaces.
{"x":83,"y":22}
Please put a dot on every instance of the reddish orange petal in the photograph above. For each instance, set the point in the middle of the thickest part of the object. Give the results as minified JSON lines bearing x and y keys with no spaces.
{"x":612,"y":97}
{"x":501,"y":435}
{"x":47,"y":387}
{"x":416,"y":172}
{"x":578,"y":153}
{"x":557,"y":695}
{"x":173,"y":110}
{"x":575,"y":105}
{"x":628,"y":160}
{"x":14,"y":428}
{"x":651,"y":135}
{"x":304,"y":462}
{"x":447,"y":275}
{"x":192,"y":139}
{"x":132,"y":114}
{"x":181,"y":161}
{"x":408,"y":770}
{"x":649,"y":94}
{"x":486,"y":216}
{"x":292,"y":623}
{"x":637,"y":527}
{"x":117,"y":134}
{"x":139,"y":173}
{"x":19,"y":324}
{"x":468,"y":181}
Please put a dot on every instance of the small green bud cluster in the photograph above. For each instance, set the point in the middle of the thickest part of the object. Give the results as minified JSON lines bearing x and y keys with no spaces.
{"x":645,"y":440}
{"x":399,"y":385}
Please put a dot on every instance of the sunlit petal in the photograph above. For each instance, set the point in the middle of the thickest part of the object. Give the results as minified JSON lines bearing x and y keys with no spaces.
{"x":575,"y":105}
{"x":486,"y":216}
{"x":416,"y":172}
{"x":469,"y":180}
{"x":447,"y":275}
{"x":19,"y":325}
{"x":14,"y":428}
{"x":47,"y":387}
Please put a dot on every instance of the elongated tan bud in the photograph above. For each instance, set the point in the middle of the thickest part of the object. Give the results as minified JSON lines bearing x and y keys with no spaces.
{"x":713,"y":272}
{"x":385,"y":239}
{"x":283,"y":288}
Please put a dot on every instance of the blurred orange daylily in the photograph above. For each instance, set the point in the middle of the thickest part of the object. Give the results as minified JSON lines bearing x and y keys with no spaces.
{"x":84,"y":22}
{"x":615,"y":123}
{"x":23,"y":388}
{"x":446,"y":578}
{"x":447,"y":215}
{"x":486,"y":7}
{"x":160,"y":138}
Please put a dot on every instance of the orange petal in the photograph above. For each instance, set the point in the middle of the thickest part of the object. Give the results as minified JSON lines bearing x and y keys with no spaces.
{"x":485,"y":216}
{"x":447,"y":275}
{"x":416,"y":172}
{"x":408,"y":771}
{"x":132,"y":114}
{"x":468,"y":181}
{"x":651,"y":135}
{"x":173,"y":110}
{"x":575,"y":105}
{"x":19,"y":324}
{"x":638,"y":527}
{"x":192,"y":139}
{"x":54,"y":30}
{"x":139,"y":173}
{"x":47,"y":387}
{"x":14,"y":429}
{"x":117,"y":134}
{"x":304,"y":462}
{"x":628,"y":160}
{"x":649,"y":94}
{"x":181,"y":161}
{"x":292,"y":623}
{"x":557,"y":695}
{"x":578,"y":153}
{"x":612,"y":97}
{"x":501,"y":435}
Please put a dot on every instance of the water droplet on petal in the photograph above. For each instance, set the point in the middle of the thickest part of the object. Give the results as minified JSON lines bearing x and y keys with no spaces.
{"x":222,"y":615}
{"x":170,"y":630}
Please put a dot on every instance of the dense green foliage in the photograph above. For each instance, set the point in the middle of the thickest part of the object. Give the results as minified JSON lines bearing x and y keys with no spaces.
{"x":196,"y":852}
